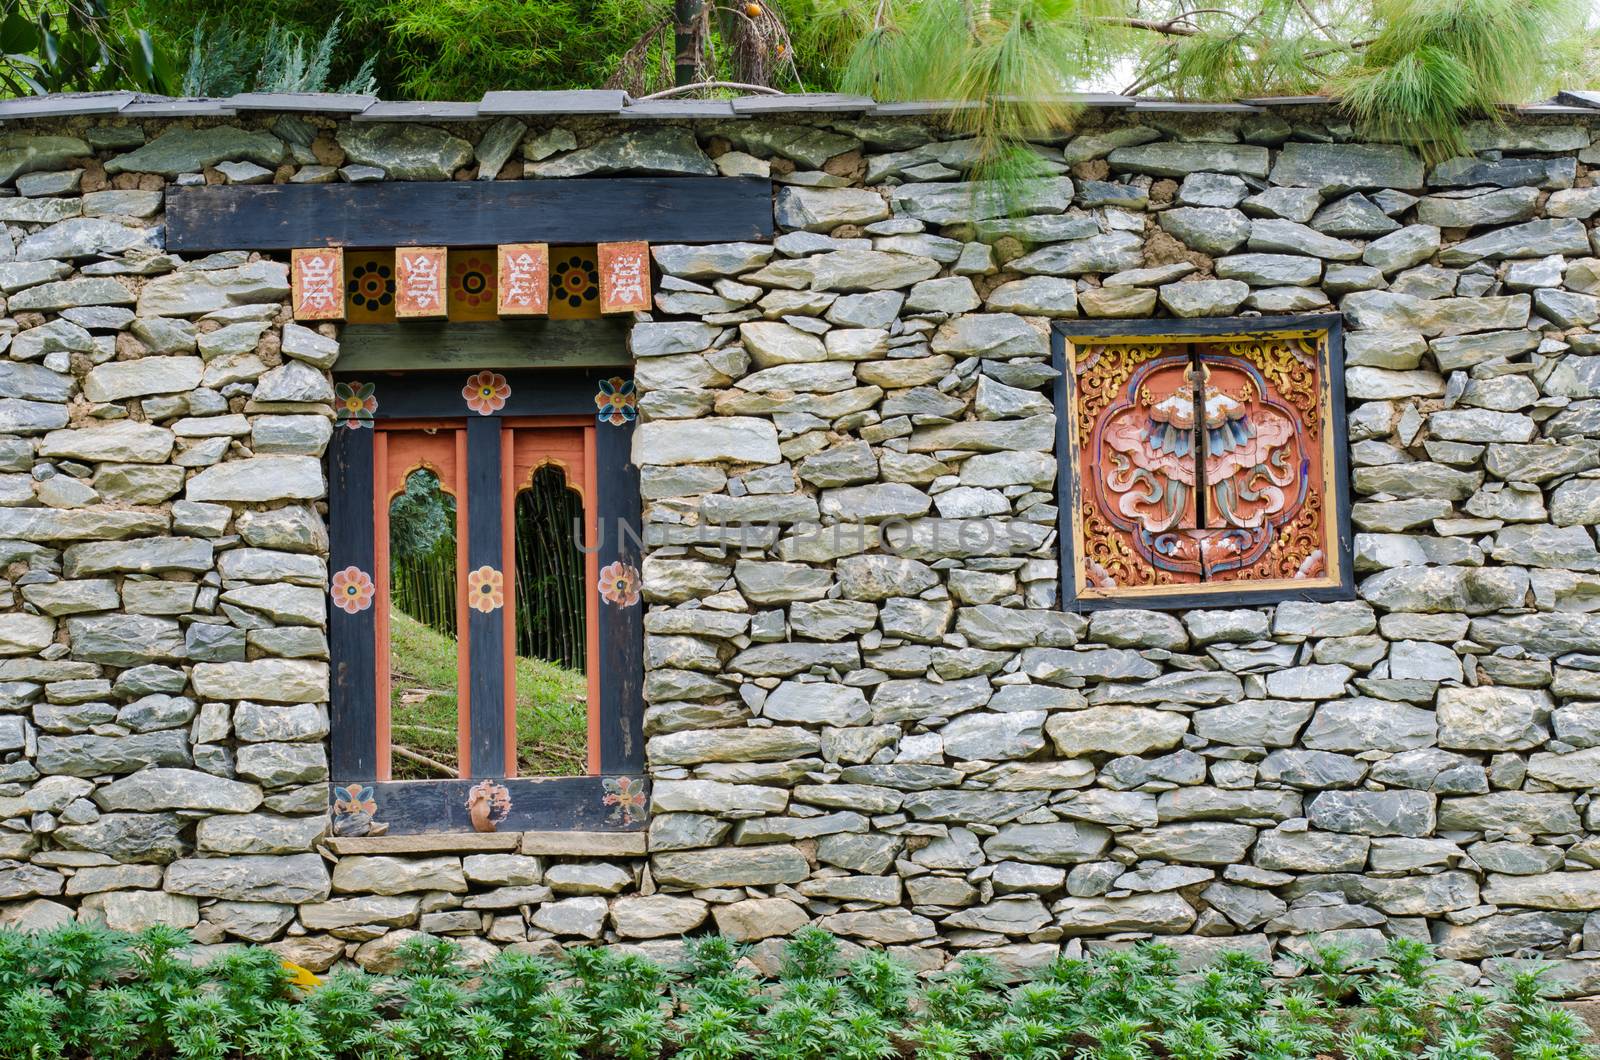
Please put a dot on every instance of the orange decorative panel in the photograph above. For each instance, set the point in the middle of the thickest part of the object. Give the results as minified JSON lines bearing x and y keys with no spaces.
{"x":419,"y":282}
{"x":369,"y":287}
{"x":624,"y":277}
{"x":574,"y":283}
{"x":524,"y":279}
{"x":1202,"y":465}
{"x":316,"y":282}
{"x":472,"y":285}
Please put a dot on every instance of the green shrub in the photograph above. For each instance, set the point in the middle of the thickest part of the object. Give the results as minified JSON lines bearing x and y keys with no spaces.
{"x":83,"y":992}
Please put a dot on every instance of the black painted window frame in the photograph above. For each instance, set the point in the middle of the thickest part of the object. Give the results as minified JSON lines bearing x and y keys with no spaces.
{"x":1069,"y":474}
{"x":615,"y":798}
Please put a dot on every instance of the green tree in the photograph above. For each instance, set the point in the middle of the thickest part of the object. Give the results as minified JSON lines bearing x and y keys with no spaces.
{"x":78,"y":46}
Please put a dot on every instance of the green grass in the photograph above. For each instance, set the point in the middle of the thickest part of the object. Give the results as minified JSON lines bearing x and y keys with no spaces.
{"x":552,"y":714}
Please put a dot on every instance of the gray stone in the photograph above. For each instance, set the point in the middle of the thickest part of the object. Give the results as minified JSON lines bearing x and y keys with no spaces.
{"x":1204,"y":298}
{"x":291,"y":879}
{"x":1212,"y":231}
{"x":1337,"y":168}
{"x":1402,"y":249}
{"x":954,"y":203}
{"x":158,"y":789}
{"x":1116,"y":730}
{"x":1534,"y":239}
{"x":1270,"y":269}
{"x":84,"y":237}
{"x":1112,"y":252}
{"x":179,"y":150}
{"x":823,"y":209}
{"x":1489,"y":208}
{"x":1373,"y":813}
{"x":1169,"y":159}
{"x":261,"y":478}
{"x":405,"y":151}
{"x":1493,"y":718}
{"x":1528,"y":813}
{"x":1362,"y":724}
{"x":730,"y":867}
{"x":207,"y":291}
{"x":31,"y":152}
{"x":1273,"y":235}
{"x":87,"y":756}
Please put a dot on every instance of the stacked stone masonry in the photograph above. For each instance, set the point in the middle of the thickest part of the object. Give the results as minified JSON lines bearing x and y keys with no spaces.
{"x":913,"y":747}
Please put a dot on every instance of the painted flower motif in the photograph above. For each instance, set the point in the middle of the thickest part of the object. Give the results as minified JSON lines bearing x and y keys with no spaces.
{"x":354,"y":403}
{"x":486,"y":392}
{"x":488,"y":804}
{"x":486,"y":589}
{"x":472,"y":279}
{"x":626,"y":797}
{"x":619,"y":584}
{"x":352,"y":590}
{"x":353,"y":809}
{"x":575,"y":279}
{"x":371,"y":286}
{"x":617,"y":402}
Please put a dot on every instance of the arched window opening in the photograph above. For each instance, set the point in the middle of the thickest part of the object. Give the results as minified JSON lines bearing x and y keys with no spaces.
{"x":551,"y":627}
{"x":424,"y":648}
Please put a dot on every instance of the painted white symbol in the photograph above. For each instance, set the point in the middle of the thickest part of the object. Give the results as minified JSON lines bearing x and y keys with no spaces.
{"x":318,"y":288}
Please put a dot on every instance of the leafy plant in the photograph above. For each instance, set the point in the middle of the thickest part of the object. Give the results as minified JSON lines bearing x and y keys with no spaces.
{"x":228,"y":56}
{"x":138,"y":998}
{"x":76,"y":46}
{"x":1432,"y":64}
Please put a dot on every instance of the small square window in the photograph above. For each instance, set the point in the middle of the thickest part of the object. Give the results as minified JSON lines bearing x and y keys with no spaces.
{"x":1202,"y":462}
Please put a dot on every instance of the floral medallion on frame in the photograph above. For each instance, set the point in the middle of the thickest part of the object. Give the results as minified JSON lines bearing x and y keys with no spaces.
{"x":619,"y":584}
{"x":617,"y":401}
{"x":486,"y":589}
{"x":486,"y":392}
{"x":354,"y":403}
{"x":352,"y":590}
{"x":627,"y":798}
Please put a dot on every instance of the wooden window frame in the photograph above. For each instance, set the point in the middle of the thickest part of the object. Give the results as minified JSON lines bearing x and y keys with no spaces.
{"x":1326,"y":328}
{"x":367,"y":458}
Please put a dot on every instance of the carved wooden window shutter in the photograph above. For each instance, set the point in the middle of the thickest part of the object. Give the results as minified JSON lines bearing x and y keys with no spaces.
{"x":1202,"y":462}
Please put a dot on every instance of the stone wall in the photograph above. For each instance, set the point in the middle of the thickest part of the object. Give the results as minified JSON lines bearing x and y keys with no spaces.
{"x":913,"y":747}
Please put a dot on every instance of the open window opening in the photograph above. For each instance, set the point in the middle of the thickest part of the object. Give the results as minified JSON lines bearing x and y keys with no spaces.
{"x":425,"y":647}
{"x":552,"y":726}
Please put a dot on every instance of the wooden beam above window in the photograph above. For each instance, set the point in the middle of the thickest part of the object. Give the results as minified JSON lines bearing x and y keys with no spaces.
{"x":468,"y":213}
{"x":535,"y":343}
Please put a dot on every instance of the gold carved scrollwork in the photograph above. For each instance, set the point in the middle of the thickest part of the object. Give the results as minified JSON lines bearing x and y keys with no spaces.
{"x":1104,"y":548}
{"x":1290,"y":367}
{"x":1296,"y":542}
{"x":1101,"y":372}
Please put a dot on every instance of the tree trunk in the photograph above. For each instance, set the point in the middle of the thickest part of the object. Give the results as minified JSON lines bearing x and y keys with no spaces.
{"x":685,"y":13}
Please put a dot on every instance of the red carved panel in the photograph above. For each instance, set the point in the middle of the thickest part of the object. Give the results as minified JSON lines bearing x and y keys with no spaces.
{"x":419,"y":282}
{"x":318,"y":280}
{"x":624,"y":277}
{"x":1201,"y":465}
{"x":524,"y":279}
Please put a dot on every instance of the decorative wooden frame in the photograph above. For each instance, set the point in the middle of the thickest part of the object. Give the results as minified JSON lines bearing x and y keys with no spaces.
{"x":475,"y":421}
{"x":1318,"y":332}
